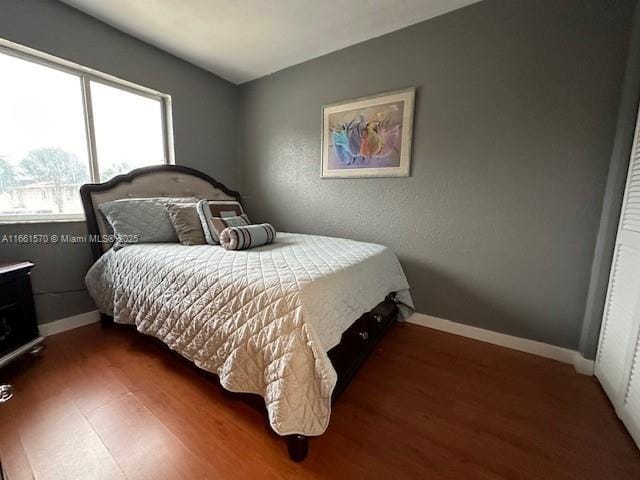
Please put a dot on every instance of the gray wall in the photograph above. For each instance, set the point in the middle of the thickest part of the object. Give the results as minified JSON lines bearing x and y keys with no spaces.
{"x":496,"y":227}
{"x":616,"y":180}
{"x":515,"y":116}
{"x":204,"y":117}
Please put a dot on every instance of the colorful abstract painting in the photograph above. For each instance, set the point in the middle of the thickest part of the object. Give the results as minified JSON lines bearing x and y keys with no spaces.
{"x":369,"y":137}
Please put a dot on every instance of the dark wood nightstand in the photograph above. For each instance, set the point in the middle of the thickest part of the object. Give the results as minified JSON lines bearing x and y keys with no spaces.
{"x":18,"y":323}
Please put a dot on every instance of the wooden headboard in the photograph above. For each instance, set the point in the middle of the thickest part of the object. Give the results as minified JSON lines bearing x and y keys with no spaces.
{"x":155,"y":181}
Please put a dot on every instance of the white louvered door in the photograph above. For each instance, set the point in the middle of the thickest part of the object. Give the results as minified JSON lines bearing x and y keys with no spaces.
{"x":618,"y":359}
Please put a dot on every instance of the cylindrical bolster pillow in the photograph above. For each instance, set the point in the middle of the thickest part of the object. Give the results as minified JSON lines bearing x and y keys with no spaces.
{"x":239,"y":238}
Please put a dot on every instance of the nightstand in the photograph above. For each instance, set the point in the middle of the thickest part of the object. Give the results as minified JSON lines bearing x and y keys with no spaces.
{"x":18,"y":323}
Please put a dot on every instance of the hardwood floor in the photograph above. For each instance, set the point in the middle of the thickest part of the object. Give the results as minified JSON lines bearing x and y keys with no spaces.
{"x":114,"y":404}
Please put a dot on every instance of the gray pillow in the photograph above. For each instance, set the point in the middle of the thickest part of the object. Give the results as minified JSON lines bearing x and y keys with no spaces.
{"x":186,"y":223}
{"x":141,"y":220}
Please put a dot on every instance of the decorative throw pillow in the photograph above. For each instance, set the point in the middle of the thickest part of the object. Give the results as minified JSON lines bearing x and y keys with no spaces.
{"x":220,"y":223}
{"x":240,"y":238}
{"x":208,"y":210}
{"x":225,"y":208}
{"x":186,"y":222}
{"x":141,"y":220}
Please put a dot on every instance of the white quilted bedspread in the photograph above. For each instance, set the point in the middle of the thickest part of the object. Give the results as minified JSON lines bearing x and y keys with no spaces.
{"x":261,"y":319}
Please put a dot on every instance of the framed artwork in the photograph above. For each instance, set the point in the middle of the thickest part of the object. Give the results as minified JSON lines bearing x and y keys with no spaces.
{"x":368,"y":137}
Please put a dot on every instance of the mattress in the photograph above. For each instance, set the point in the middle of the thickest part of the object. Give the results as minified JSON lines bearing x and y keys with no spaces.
{"x":263,"y":319}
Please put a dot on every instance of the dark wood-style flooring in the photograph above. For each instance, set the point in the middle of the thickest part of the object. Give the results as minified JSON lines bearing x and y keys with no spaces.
{"x":111,"y":404}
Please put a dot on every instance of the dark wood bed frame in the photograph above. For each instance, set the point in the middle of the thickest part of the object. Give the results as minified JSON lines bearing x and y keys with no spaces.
{"x":357,"y":342}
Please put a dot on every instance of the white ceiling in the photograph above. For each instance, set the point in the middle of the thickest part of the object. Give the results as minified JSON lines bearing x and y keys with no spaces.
{"x":241,"y":40}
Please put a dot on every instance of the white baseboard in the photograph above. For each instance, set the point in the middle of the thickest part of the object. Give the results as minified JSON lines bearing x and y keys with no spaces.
{"x":561,"y":354}
{"x":583,"y":365}
{"x":69,"y":323}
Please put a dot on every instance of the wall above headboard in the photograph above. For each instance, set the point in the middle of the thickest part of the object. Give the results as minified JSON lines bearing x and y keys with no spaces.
{"x":514,"y":122}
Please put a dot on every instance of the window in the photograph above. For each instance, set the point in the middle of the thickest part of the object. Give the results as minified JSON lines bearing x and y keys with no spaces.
{"x":125,"y":142}
{"x":62,"y":125}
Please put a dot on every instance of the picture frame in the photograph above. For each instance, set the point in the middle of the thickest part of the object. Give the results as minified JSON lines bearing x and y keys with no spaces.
{"x":369,"y":136}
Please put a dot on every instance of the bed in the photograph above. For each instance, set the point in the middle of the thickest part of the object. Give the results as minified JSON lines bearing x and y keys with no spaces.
{"x":291,"y":321}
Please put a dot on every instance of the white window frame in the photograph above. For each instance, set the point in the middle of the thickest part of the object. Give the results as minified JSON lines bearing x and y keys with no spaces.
{"x":86,"y":76}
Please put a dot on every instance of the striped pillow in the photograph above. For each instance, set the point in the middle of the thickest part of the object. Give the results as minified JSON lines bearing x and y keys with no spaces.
{"x":240,"y":238}
{"x":230,"y":212}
